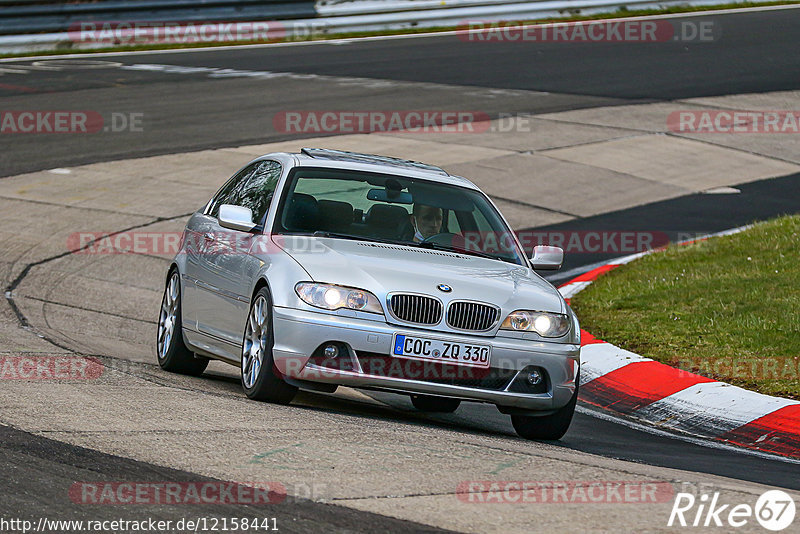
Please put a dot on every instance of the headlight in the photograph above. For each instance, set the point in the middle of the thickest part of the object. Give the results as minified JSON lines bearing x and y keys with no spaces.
{"x":332,"y":297}
{"x":544,"y":324}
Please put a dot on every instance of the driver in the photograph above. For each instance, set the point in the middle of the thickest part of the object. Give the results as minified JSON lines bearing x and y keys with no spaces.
{"x":426,"y":220}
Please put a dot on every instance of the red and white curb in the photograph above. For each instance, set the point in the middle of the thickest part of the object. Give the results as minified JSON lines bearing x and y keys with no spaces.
{"x":624,"y":382}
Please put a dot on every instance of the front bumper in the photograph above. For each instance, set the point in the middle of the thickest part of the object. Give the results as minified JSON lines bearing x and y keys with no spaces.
{"x":299,"y":333}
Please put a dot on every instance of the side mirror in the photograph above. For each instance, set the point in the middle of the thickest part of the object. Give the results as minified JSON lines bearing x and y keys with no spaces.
{"x":236,"y":218}
{"x":547,"y":258}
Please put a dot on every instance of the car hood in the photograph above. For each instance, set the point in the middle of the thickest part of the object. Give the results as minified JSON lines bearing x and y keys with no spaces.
{"x":385,"y":268}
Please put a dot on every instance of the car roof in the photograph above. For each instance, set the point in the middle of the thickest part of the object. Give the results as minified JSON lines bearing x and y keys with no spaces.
{"x":340,"y":159}
{"x":356,"y":157}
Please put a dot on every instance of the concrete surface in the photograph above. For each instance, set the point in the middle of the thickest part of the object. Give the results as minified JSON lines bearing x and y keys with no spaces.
{"x":364,"y":453}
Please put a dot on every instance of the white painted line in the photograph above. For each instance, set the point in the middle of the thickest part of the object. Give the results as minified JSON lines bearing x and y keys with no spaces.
{"x":627,"y":259}
{"x":721,"y":191}
{"x":702,"y":442}
{"x":351,"y":40}
{"x":568,"y":290}
{"x":599,"y":359}
{"x":574,"y":273}
{"x":713,"y":407}
{"x":372,"y":83}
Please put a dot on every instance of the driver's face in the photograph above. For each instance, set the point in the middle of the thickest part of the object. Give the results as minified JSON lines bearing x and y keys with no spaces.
{"x":429,"y":221}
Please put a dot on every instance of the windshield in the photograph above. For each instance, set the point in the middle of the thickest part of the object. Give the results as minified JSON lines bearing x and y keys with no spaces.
{"x":395,"y":209}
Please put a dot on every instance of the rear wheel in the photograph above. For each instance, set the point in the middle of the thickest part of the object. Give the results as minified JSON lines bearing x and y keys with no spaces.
{"x":429,"y":403}
{"x":549,"y":427}
{"x":173,"y":356}
{"x":260,"y":378}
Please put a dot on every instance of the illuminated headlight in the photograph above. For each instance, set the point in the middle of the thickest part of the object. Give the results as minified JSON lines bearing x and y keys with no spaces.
{"x":544,"y":324}
{"x":331,"y":297}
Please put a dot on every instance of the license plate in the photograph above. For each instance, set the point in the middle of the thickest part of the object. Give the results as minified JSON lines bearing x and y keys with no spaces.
{"x":439,"y":350}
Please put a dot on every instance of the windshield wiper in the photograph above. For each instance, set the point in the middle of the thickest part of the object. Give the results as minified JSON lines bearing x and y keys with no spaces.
{"x":323,"y":233}
{"x":439,"y":246}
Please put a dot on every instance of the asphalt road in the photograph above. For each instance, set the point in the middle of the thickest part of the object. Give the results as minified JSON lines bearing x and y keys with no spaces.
{"x":38,"y":472}
{"x":750,"y":52}
{"x":197,"y":110}
{"x":687,"y":217}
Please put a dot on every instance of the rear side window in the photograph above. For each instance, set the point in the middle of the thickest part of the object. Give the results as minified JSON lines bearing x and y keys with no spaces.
{"x":224,"y":193}
{"x":253,"y":187}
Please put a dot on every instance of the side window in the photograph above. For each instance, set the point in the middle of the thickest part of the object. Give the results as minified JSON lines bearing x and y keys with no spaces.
{"x":480,"y":220}
{"x":227,"y":192}
{"x":452,"y":223}
{"x":252,"y":188}
{"x":259,"y":188}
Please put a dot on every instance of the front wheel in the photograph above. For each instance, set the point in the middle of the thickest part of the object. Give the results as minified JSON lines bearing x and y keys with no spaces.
{"x":260,"y":378}
{"x":429,"y":403}
{"x":173,"y":356}
{"x":549,"y":427}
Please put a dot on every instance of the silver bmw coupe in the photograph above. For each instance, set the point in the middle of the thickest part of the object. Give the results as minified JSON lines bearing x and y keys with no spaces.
{"x":329,"y":268}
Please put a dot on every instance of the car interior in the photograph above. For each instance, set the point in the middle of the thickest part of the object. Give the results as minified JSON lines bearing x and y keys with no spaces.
{"x":307,"y":214}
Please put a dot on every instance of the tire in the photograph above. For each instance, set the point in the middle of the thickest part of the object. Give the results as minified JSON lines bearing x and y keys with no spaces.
{"x":549,"y":427}
{"x":173,"y":356}
{"x":428,"y":403}
{"x":261,"y":380}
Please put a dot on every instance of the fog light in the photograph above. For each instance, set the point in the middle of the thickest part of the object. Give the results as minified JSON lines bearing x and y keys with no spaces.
{"x":534,"y":377}
{"x":331,"y":351}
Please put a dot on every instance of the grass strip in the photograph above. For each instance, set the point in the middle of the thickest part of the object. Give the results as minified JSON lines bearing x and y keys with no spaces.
{"x":727,"y":308}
